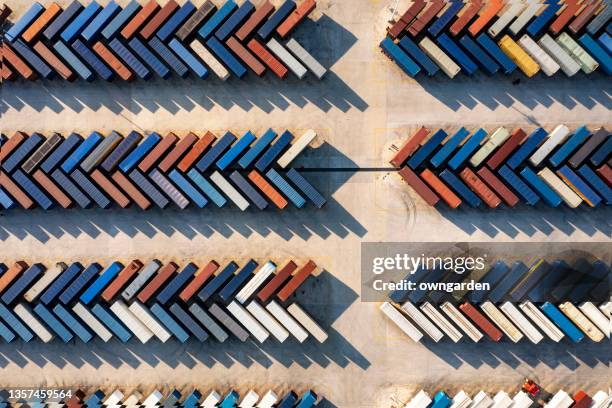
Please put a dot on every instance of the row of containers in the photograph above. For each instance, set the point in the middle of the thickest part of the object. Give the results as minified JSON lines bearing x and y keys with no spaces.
{"x":140,"y":41}
{"x":522,"y":399}
{"x":155,"y":300}
{"x":154,"y":171}
{"x":192,"y":399}
{"x":509,"y":167}
{"x":498,"y":36}
{"x":546,"y":294}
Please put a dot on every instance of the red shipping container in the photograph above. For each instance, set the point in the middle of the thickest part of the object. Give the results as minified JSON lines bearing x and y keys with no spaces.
{"x":139,"y":19}
{"x":606,"y":172}
{"x":409,"y":147}
{"x":570,"y":10}
{"x":276,"y":282}
{"x":160,"y":18}
{"x":106,"y":185}
{"x":480,"y":188}
{"x":506,"y":149}
{"x":196,"y":151}
{"x":162,"y":276}
{"x":179,"y":149}
{"x":450,"y":198}
{"x":57,"y":194}
{"x":421,"y":21}
{"x":296,"y":281}
{"x":114,"y":62}
{"x":11,"y":274}
{"x":267,"y":189}
{"x":15,"y":192}
{"x":255,"y":20}
{"x":482,"y":322}
{"x":488,"y":13}
{"x":246,"y":56}
{"x":158,"y":151}
{"x":16,"y":62}
{"x":121,"y":280}
{"x":500,"y":188}
{"x":131,"y":190}
{"x":11,"y":144}
{"x":57,"y":64}
{"x":406,"y":19}
{"x":582,"y":400}
{"x":419,"y":186}
{"x":466,"y":15}
{"x":299,"y":14}
{"x":270,"y":60}
{"x":198,"y":280}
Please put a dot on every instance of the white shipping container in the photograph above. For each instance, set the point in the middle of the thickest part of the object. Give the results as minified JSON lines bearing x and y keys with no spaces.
{"x":308,"y":60}
{"x":541,"y":321}
{"x":581,"y":321}
{"x":461,"y":400}
{"x":248,"y":321}
{"x":481,"y":400}
{"x":444,"y":61}
{"x":548,"y":65}
{"x":441,"y":321}
{"x":255,"y":282}
{"x":565,"y":61}
{"x":601,"y":399}
{"x":307,"y":322}
{"x":269,"y":399}
{"x":579,"y":54}
{"x":557,"y":136}
{"x":501,"y":400}
{"x":91,"y":321}
{"x":41,"y":284}
{"x":400,"y":320}
{"x":146,"y":317}
{"x":114,"y":399}
{"x":568,"y":195}
{"x":153,"y":399}
{"x":560,"y":400}
{"x":505,"y":18}
{"x":210,"y":60}
{"x":522,"y":323}
{"x":461,"y":321}
{"x":268,"y":321}
{"x":132,"y":323}
{"x":287,"y":321}
{"x":32,"y":322}
{"x":230,"y":191}
{"x":296,"y":148}
{"x":421,"y":320}
{"x":597,"y":317}
{"x":502,"y":321}
{"x":525,"y":16}
{"x":249,"y":400}
{"x":421,"y":400}
{"x":289,"y":60}
{"x":495,"y":140}
{"x":133,"y":401}
{"x":211,"y":400}
{"x":606,"y":309}
{"x":521,"y":400}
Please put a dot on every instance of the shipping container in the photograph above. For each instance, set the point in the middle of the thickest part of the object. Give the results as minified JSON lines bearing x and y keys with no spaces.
{"x":213,"y":23}
{"x":150,"y":322}
{"x":189,"y":27}
{"x":311,"y":63}
{"x":481,"y":400}
{"x":26,"y":20}
{"x":248,"y":321}
{"x":36,"y":158}
{"x":506,"y":149}
{"x":208,"y":322}
{"x":423,"y":153}
{"x":561,"y":189}
{"x":307,"y":322}
{"x":287,"y":321}
{"x":296,"y":17}
{"x":25,"y":314}
{"x":15,"y":324}
{"x":168,"y":322}
{"x":78,"y":24}
{"x":482,"y":322}
{"x":439,"y":57}
{"x":211,"y":400}
{"x":564,"y":17}
{"x":210,"y":191}
{"x":421,"y":320}
{"x":229,"y":190}
{"x":32,"y":190}
{"x":15,"y":191}
{"x":93,"y":29}
{"x":164,"y":184}
{"x":537,"y":271}
{"x":236,"y":149}
{"x":69,"y":320}
{"x":141,"y":279}
{"x":597,"y":183}
{"x":601,"y":400}
{"x":215,"y":152}
{"x":544,"y":18}
{"x":419,"y":186}
{"x":123,"y":149}
{"x":442,"y":21}
{"x":228,"y":322}
{"x":130,"y":59}
{"x":53,"y":323}
{"x":18,"y":155}
{"x":121,"y":19}
{"x":149,"y":58}
{"x":523,"y":324}
{"x":530,"y":197}
{"x":562,"y":322}
{"x":601,"y":56}
{"x":86,"y":185}
{"x":279,"y":279}
{"x":175,"y":285}
{"x":550,"y":196}
{"x":93,"y":61}
{"x":211,"y":287}
{"x":41,"y":284}
{"x":268,"y":158}
{"x":557,"y":136}
{"x":581,"y":321}
{"x":548,"y":65}
{"x":286,"y":188}
{"x":302,"y":184}
{"x":560,"y":400}
{"x":55,"y":63}
{"x":186,"y":187}
{"x":592,"y":143}
{"x":234,"y":20}
{"x":268,"y":321}
{"x":559,"y":55}
{"x":421,"y":400}
{"x":582,"y":400}
{"x":600,"y":20}
{"x":196,"y":151}
{"x":17,"y":63}
{"x":113,"y":399}
{"x":60,"y":283}
{"x":578,"y":185}
{"x":460,"y":188}
{"x":586,"y":62}
{"x":502,"y":321}
{"x":480,"y":188}
{"x":131,"y":190}
{"x":169,"y":57}
{"x":521,"y":400}
{"x":465,"y":16}
{"x":159,"y":151}
{"x":441,"y":400}
{"x":480,"y":55}
{"x":501,"y":400}
{"x":210,"y":60}
{"x":506,"y":18}
{"x":485,"y":16}
{"x":258,"y":279}
{"x":228,"y":291}
{"x":466,"y":150}
{"x":257,"y":148}
{"x":519,"y":56}
{"x":264,"y":10}
{"x":131,"y":321}
{"x":461,"y":400}
{"x":294,"y":65}
{"x":498,"y":55}
{"x":249,"y":400}
{"x":267,"y":189}
{"x":192,"y":62}
{"x":11,"y":274}
{"x":101,"y":282}
{"x":527,"y":148}
{"x":275,"y":20}
{"x":419,"y":56}
{"x":151,"y":192}
{"x":269,"y":60}
{"x":32,"y":59}
{"x":78,"y":284}
{"x":425,"y":17}
{"x":597,"y":317}
{"x":10,"y":145}
{"x":176,"y":21}
{"x":578,"y":138}
{"x":226,"y":57}
{"x":165,"y":273}
{"x":102,"y":149}
{"x":5,"y":200}
{"x":584,"y":16}
{"x":135,"y":23}
{"x":22,"y":283}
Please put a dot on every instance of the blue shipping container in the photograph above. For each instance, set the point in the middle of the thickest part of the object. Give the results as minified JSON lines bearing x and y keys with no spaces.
{"x":470,"y":145}
{"x":479,"y":54}
{"x":188,"y":322}
{"x":177,"y":283}
{"x":215,"y":21}
{"x":91,"y":32}
{"x":527,"y":148}
{"x":498,"y":55}
{"x":121,"y":19}
{"x":182,"y":183}
{"x":196,"y":66}
{"x":234,"y":20}
{"x":60,"y":283}
{"x":74,"y":325}
{"x":149,"y":58}
{"x":208,"y":189}
{"x":313,"y":195}
{"x":460,"y":188}
{"x":426,"y":150}
{"x":79,"y":283}
{"x":211,"y":288}
{"x":130,"y":59}
{"x":547,"y":193}
{"x":274,"y":151}
{"x":52,"y":322}
{"x":286,"y":188}
{"x":168,"y":56}
{"x":449,"y":147}
{"x":226,"y":57}
{"x":579,"y":136}
{"x":74,"y":62}
{"x":111,"y":323}
{"x":139,"y":152}
{"x":232,"y":286}
{"x":64,"y":18}
{"x":562,"y":322}
{"x":228,"y":158}
{"x":101,"y":282}
{"x":266,"y":30}
{"x":24,"y":22}
{"x":415,"y":52}
{"x":461,"y":57}
{"x":214,"y":152}
{"x":173,"y":23}
{"x":400,"y":57}
{"x":79,"y":23}
{"x":21,"y":284}
{"x":258,"y":147}
{"x":169,"y":323}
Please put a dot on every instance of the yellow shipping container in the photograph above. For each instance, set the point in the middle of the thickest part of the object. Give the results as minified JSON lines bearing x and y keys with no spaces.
{"x":519,"y":56}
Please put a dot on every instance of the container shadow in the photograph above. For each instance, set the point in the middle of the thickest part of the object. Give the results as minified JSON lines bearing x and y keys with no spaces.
{"x":325,"y":304}
{"x":499,"y":91}
{"x":327,"y":41}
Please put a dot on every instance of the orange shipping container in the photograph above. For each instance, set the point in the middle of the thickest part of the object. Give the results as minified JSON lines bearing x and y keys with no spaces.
{"x":487,"y":15}
{"x":439,"y":187}
{"x":158,"y":151}
{"x":270,"y":60}
{"x":57,"y":194}
{"x":106,"y":185}
{"x":121,"y":279}
{"x":11,"y":144}
{"x":131,"y":190}
{"x":162,"y":276}
{"x":299,"y":14}
{"x":480,"y":188}
{"x":42,"y":22}
{"x":114,"y":62}
{"x":246,"y":56}
{"x":419,"y":186}
{"x":11,"y":274}
{"x":275,"y":283}
{"x":139,"y":19}
{"x":55,"y":62}
{"x":267,"y":189}
{"x":196,"y":151}
{"x":179,"y":149}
